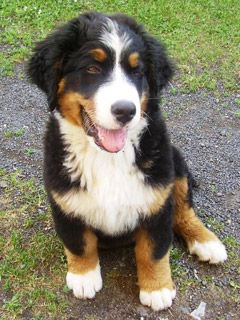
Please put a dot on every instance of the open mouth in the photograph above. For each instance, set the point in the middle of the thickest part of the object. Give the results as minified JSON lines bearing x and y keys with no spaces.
{"x":111,"y":140}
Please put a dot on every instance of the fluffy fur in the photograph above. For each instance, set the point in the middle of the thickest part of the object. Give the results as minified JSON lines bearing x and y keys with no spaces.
{"x":110,"y":170}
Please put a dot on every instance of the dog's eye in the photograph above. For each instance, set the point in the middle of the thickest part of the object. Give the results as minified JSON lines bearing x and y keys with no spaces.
{"x":93,"y":70}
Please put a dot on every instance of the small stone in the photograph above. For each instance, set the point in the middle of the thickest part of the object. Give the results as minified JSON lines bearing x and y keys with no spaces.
{"x":195,"y":274}
{"x":3,"y":184}
{"x":199,"y":313}
{"x":143,"y":312}
{"x":223,"y":133}
{"x":184,"y":310}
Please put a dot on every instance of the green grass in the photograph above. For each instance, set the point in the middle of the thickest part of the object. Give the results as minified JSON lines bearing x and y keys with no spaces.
{"x":237,"y":114}
{"x":32,"y":257}
{"x":202,"y":36}
{"x":179,"y":273}
{"x":233,"y":263}
{"x":29,"y":152}
{"x":237,"y":102}
{"x":14,"y":134}
{"x":214,"y":224}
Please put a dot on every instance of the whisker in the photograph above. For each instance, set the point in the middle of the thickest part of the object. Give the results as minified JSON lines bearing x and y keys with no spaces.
{"x":145,"y":114}
{"x":149,"y":119}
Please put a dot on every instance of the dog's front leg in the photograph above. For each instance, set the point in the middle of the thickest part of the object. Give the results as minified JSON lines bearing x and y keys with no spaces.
{"x":84,"y":276}
{"x":80,"y":243}
{"x":157,"y":289}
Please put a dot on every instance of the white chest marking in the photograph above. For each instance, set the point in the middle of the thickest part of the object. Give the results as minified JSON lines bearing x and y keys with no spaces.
{"x":115,"y":195}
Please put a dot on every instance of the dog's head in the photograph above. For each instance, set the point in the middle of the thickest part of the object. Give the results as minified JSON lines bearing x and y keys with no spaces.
{"x":99,"y":72}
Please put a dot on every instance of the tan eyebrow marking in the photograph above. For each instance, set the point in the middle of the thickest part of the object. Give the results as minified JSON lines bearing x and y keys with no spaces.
{"x":133,"y":59}
{"x":98,"y":54}
{"x":61,"y":86}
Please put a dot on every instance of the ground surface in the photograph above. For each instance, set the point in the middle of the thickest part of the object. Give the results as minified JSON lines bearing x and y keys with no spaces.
{"x":203,"y":38}
{"x":32,"y":266}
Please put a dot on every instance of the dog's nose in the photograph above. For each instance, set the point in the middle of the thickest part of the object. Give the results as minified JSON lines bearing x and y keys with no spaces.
{"x":123,"y":111}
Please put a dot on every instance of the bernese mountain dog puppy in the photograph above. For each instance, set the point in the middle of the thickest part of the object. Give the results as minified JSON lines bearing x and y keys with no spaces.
{"x":110,"y":169}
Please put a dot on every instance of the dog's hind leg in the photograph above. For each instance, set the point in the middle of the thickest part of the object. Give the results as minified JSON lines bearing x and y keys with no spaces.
{"x":200,"y":241}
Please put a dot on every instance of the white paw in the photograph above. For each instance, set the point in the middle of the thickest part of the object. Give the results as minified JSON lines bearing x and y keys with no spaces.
{"x":212,"y":251}
{"x":157,"y":300}
{"x":85,"y":285}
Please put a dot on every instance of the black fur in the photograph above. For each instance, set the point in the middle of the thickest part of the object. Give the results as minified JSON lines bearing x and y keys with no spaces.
{"x":46,"y":65}
{"x":181,"y":170}
{"x":160,"y":230}
{"x":70,"y":230}
{"x":156,"y":148}
{"x":55,"y":175}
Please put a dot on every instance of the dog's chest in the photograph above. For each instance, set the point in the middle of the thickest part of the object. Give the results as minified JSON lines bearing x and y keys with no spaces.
{"x":113,"y":194}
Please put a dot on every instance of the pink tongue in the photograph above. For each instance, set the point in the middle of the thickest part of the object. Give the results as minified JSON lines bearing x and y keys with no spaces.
{"x":112,"y":140}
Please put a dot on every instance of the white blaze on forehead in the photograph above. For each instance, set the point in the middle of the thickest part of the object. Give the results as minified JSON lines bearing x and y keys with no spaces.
{"x":114,"y":39}
{"x":118,"y":87}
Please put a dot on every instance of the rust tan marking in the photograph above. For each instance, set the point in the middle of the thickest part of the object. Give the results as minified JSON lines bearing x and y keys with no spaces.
{"x":89,"y":260}
{"x":161,"y":195}
{"x":133,"y":59}
{"x":152,"y":274}
{"x":186,"y":223}
{"x":144,"y":103}
{"x":70,"y":105}
{"x":61,"y":86}
{"x":98,"y":54}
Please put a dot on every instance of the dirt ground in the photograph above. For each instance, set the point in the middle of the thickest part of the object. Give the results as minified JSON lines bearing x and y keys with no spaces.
{"x":207,"y":129}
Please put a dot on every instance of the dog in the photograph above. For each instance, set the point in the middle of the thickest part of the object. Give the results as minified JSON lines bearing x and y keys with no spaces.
{"x":110,"y":169}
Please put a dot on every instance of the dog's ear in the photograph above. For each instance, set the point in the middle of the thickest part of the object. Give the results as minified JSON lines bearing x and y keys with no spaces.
{"x":159,"y":66}
{"x":46,"y":63}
